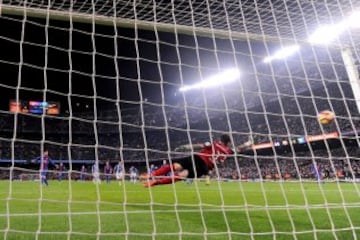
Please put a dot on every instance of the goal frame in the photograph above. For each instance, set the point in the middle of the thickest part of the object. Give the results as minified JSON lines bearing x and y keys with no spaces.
{"x":138,"y":24}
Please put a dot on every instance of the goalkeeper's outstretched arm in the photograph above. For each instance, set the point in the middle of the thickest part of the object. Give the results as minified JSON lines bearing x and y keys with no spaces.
{"x":191,"y":147}
{"x":244,"y":146}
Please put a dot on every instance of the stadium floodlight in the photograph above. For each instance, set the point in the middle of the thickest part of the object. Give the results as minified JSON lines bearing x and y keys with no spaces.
{"x":283,"y":53}
{"x":222,"y":78}
{"x":328,"y":33}
{"x":354,"y":20}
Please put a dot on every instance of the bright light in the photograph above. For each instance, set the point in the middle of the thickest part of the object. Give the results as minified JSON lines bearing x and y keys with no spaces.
{"x":216,"y":80}
{"x":328,"y":33}
{"x":283,"y":53}
{"x":354,"y":20}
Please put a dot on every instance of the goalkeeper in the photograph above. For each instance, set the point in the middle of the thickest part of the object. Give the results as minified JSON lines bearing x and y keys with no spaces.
{"x":204,"y":160}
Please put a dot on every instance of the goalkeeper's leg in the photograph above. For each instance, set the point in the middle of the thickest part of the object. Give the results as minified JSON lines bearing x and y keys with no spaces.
{"x":168,"y":179}
{"x":164,"y":180}
{"x":163,"y":171}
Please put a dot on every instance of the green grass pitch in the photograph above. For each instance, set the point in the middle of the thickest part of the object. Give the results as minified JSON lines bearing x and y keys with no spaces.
{"x":226,"y":210}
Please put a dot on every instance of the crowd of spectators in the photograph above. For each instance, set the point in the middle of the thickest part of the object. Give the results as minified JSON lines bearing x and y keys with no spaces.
{"x":154,"y":133}
{"x":242,"y":167}
{"x":288,"y":167}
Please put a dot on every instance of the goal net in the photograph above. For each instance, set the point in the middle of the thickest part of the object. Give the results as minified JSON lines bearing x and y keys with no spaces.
{"x":97,"y":94}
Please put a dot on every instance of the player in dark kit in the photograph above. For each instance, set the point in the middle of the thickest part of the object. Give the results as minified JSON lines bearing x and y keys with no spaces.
{"x":61,"y":171}
{"x":107,"y":171}
{"x":45,"y":162}
{"x":205,"y":160}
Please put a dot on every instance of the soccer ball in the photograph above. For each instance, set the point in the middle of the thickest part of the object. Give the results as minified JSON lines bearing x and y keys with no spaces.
{"x":326,"y":117}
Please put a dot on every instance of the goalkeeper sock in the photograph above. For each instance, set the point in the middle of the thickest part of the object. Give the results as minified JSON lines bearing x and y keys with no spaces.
{"x":162,"y":171}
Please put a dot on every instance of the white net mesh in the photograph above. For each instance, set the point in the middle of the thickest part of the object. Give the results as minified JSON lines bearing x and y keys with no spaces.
{"x":103,"y":81}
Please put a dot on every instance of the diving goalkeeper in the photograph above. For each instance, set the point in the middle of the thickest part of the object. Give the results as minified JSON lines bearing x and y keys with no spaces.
{"x":204,"y":161}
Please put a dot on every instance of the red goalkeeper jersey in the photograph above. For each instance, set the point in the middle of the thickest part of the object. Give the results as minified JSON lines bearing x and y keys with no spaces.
{"x":215,"y":152}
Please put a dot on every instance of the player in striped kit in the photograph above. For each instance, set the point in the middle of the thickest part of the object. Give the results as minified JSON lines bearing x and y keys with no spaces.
{"x":205,"y":160}
{"x":83,"y":171}
{"x":61,"y":171}
{"x":45,"y":162}
{"x":133,"y":174}
{"x":316,"y":169}
{"x":107,"y":171}
{"x":96,"y":173}
{"x":119,"y":171}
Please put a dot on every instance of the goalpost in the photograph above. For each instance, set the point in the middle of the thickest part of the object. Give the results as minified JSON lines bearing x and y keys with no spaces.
{"x":104,"y":81}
